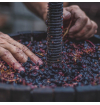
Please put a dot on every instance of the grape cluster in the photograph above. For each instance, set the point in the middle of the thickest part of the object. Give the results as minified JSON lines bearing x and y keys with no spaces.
{"x":80,"y":66}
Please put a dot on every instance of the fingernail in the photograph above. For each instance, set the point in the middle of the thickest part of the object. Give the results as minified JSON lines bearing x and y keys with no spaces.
{"x":21,"y":69}
{"x":40,"y":62}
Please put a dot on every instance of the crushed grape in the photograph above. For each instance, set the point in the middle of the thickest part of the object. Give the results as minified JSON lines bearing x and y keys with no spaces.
{"x":80,"y":66}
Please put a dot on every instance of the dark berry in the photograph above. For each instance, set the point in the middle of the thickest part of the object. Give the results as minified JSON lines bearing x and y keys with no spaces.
{"x":22,"y":73}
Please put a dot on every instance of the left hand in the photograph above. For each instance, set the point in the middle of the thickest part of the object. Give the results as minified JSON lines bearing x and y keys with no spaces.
{"x":13,"y":52}
{"x":82,"y":27}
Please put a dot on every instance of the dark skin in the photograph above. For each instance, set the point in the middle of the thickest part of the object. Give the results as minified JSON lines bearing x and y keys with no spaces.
{"x":82,"y":27}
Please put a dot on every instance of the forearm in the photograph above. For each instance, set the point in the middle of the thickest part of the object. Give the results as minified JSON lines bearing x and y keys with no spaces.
{"x":39,"y":8}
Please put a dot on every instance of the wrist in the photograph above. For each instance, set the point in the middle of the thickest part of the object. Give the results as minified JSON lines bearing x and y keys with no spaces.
{"x":45,"y":16}
{"x":44,"y":12}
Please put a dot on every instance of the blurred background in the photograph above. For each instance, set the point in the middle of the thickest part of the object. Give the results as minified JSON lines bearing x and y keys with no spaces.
{"x":15,"y":17}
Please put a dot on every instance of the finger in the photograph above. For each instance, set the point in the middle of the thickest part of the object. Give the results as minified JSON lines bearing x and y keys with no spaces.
{"x":10,"y":60}
{"x":85,"y":30}
{"x":86,"y":37}
{"x":66,"y":14}
{"x":95,"y":31}
{"x":16,"y":52}
{"x":80,"y":18}
{"x":95,"y":25}
{"x":32,"y":56}
{"x":71,"y":36}
{"x":90,"y":33}
{"x":79,"y":24}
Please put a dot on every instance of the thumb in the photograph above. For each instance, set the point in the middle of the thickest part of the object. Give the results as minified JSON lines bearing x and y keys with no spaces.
{"x":66,"y":14}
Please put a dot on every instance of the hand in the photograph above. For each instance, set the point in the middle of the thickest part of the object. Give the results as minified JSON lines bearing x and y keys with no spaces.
{"x":3,"y":20}
{"x":11,"y":51}
{"x":82,"y":27}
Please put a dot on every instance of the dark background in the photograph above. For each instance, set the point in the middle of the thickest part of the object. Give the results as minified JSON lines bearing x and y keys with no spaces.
{"x":14,"y":16}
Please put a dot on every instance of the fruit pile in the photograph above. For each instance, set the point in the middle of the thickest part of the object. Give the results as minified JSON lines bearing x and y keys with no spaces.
{"x":80,"y":66}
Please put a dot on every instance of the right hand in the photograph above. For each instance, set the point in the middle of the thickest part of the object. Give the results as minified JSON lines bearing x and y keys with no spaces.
{"x":11,"y":51}
{"x":82,"y":26}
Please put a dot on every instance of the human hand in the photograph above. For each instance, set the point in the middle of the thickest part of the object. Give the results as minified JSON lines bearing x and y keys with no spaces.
{"x":82,"y":27}
{"x":3,"y":20}
{"x":11,"y":51}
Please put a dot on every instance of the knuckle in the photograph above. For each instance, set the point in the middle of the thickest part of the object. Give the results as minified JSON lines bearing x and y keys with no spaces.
{"x":1,"y":33}
{"x":84,"y":18}
{"x":95,"y":26}
{"x":2,"y":41}
{"x":75,"y":6}
{"x":95,"y":31}
{"x":5,"y":36}
{"x":5,"y":53}
{"x":89,"y":26}
{"x":21,"y":56}
{"x":24,"y":48}
{"x":76,"y":30}
{"x":17,"y":50}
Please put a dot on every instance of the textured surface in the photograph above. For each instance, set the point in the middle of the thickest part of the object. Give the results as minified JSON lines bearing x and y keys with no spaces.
{"x":98,"y":93}
{"x":64,"y":94}
{"x":86,"y":94}
{"x":82,"y":93}
{"x":5,"y":92}
{"x":54,"y":32}
{"x":42,"y":95}
{"x":20,"y":94}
